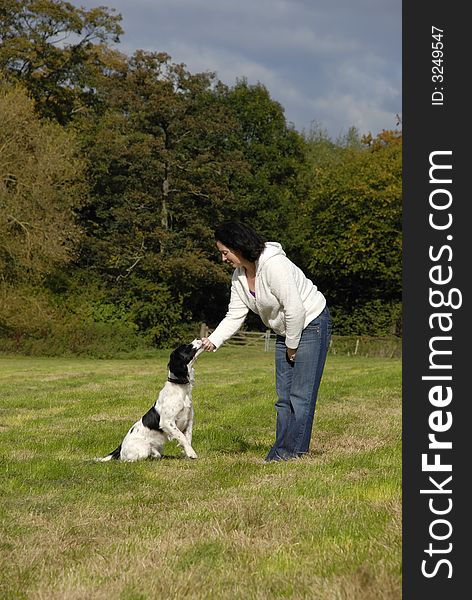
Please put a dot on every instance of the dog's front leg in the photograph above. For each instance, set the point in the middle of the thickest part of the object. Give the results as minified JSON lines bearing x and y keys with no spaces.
{"x":188,"y":431}
{"x":173,"y":431}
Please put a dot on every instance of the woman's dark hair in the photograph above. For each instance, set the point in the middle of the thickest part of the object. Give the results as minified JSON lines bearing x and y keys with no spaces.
{"x":240,"y":237}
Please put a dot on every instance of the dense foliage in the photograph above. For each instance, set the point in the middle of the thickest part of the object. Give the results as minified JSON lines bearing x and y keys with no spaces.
{"x":115,"y":169}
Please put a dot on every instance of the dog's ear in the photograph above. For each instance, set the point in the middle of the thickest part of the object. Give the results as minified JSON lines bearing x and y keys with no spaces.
{"x":177,"y":364}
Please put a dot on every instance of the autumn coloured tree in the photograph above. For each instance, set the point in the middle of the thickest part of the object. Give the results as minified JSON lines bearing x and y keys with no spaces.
{"x":42,"y":185}
{"x":355,"y":215}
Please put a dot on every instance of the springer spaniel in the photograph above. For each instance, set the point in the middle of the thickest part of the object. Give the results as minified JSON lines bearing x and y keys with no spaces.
{"x":171,"y":417}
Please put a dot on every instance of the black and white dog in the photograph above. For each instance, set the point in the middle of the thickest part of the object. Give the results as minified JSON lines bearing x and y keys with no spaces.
{"x":171,"y":417}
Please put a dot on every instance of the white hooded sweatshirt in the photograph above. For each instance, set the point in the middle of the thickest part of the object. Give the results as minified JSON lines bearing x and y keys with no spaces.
{"x":285,"y":299}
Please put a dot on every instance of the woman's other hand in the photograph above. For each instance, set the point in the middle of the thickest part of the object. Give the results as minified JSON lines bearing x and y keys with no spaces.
{"x":291,"y":352}
{"x":207,"y":345}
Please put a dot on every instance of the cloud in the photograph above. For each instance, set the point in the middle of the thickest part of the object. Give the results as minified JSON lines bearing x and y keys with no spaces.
{"x":337,"y":62}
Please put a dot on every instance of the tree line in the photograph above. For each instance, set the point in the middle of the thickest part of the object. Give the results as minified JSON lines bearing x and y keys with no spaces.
{"x":114,"y":170}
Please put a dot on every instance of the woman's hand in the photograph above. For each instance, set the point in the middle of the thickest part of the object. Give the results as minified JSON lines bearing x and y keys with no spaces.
{"x":207,"y":345}
{"x":291,"y":352}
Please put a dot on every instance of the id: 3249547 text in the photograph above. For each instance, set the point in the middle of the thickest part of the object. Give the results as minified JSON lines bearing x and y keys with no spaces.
{"x":437,"y":68}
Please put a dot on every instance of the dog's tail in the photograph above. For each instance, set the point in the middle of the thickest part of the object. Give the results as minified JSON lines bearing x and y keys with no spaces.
{"x":115,"y":455}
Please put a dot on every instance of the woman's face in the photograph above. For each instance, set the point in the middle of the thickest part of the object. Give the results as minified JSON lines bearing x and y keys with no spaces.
{"x":233,"y":257}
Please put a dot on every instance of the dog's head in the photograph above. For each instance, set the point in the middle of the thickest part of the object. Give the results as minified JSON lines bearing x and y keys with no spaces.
{"x":182,"y":358}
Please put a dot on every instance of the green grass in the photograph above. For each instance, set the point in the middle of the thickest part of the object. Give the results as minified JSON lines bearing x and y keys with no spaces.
{"x":325,"y":527}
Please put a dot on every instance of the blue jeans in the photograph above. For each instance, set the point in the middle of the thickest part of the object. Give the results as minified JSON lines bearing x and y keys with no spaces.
{"x":297,"y":386}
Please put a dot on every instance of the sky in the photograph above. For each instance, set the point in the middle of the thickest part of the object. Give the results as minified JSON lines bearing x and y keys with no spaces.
{"x":332,"y":64}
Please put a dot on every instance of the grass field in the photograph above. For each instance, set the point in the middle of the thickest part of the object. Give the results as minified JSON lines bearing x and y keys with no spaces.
{"x":324,"y":527}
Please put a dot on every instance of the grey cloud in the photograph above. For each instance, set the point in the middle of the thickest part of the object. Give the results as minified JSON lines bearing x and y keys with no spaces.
{"x":336,"y":62}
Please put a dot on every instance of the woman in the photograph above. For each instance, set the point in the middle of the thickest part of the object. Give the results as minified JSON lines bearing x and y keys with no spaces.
{"x":268,"y":283}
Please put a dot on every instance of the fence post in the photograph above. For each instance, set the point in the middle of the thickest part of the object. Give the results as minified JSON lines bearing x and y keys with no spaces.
{"x":267,"y":341}
{"x":203,"y":330}
{"x":357,"y":346}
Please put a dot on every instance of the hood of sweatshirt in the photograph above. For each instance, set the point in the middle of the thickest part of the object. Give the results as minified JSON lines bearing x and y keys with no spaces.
{"x":271,"y":249}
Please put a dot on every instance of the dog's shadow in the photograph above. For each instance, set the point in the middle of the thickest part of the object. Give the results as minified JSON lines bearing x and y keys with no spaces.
{"x":166,"y":457}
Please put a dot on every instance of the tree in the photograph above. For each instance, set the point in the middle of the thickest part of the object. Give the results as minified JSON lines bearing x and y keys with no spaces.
{"x":163,"y":156}
{"x":354,"y":251}
{"x":41,"y":184}
{"x":58,"y":52}
{"x":270,"y":191}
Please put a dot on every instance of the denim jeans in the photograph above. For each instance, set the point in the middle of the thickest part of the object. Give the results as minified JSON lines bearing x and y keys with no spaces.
{"x":297,"y":386}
